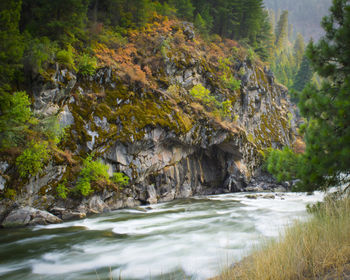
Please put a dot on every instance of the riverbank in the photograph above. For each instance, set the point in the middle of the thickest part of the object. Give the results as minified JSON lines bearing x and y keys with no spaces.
{"x":52,"y":211}
{"x":316,"y":249}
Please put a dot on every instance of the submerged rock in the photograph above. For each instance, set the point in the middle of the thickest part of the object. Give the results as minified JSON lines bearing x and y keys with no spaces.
{"x":269,"y":196}
{"x":252,"y":196}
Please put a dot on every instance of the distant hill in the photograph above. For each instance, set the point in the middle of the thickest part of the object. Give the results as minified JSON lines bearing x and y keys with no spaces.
{"x":304,"y":15}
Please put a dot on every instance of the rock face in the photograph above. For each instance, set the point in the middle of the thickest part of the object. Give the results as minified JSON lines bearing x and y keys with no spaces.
{"x":169,"y":144}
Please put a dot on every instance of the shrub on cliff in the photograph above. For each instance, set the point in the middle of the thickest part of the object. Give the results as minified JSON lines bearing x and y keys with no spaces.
{"x":91,"y":171}
{"x":87,"y":65}
{"x":14,"y":115}
{"x":66,"y":58}
{"x":120,"y":179}
{"x":32,"y":159}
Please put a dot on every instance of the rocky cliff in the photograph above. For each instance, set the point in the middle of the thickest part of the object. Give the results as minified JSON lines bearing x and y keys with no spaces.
{"x":140,"y":115}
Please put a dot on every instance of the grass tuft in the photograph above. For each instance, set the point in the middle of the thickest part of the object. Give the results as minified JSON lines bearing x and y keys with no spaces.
{"x":316,"y":249}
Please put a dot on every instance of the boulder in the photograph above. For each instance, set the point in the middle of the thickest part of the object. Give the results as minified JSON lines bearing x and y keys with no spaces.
{"x":269,"y":196}
{"x":25,"y":216}
{"x":280,"y":189}
{"x":67,"y":214}
{"x":97,"y":205}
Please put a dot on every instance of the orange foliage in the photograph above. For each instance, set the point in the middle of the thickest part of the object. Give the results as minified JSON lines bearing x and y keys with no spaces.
{"x":299,"y":146}
{"x":141,"y":59}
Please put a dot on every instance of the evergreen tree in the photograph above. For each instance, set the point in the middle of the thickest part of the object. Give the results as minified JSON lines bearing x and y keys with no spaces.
{"x":299,"y":48}
{"x":200,"y":24}
{"x":11,"y":46}
{"x":265,"y":39}
{"x":328,"y":133}
{"x":184,"y":8}
{"x":272,"y":18}
{"x":326,"y":161}
{"x":282,"y":31}
{"x":57,"y":19}
{"x":304,"y":75}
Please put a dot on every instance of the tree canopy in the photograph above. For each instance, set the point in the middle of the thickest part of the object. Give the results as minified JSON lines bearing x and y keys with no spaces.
{"x":326,"y":160}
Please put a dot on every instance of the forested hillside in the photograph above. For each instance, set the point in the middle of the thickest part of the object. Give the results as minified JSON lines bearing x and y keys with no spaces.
{"x":305,"y":15}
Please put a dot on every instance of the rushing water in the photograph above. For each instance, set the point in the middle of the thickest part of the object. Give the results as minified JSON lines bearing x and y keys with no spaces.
{"x":184,"y":239}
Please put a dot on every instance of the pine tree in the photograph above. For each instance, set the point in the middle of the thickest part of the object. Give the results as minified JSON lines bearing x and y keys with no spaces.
{"x":328,"y":133}
{"x":184,"y":8}
{"x":304,"y":75}
{"x":11,"y":46}
{"x":272,"y":18}
{"x":326,"y":161}
{"x":57,"y":19}
{"x":282,"y":31}
{"x":265,"y":39}
{"x":299,"y":48}
{"x":200,"y":24}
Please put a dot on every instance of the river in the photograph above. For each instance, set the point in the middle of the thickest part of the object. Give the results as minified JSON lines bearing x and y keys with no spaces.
{"x":183,"y":239}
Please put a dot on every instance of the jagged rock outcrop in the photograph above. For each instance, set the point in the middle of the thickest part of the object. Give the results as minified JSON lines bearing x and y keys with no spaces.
{"x":168,"y":143}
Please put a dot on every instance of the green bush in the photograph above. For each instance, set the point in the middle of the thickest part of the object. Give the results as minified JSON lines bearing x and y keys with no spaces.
{"x":87,"y":65}
{"x":10,"y":194}
{"x":232,"y":83}
{"x":201,"y":93}
{"x":227,"y":77}
{"x":50,"y":128}
{"x":62,"y":190}
{"x":222,"y":109}
{"x":120,"y":179}
{"x":251,"y":55}
{"x":66,"y":58}
{"x":112,"y":39}
{"x":225,"y":110}
{"x":164,"y":47}
{"x":32,"y":160}
{"x":91,"y":171}
{"x":39,"y":51}
{"x":283,"y":164}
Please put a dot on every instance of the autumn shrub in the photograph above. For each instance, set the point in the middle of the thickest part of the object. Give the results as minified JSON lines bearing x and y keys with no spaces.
{"x":32,"y":159}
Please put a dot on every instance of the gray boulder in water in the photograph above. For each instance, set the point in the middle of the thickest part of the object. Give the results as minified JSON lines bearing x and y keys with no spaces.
{"x":25,"y":216}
